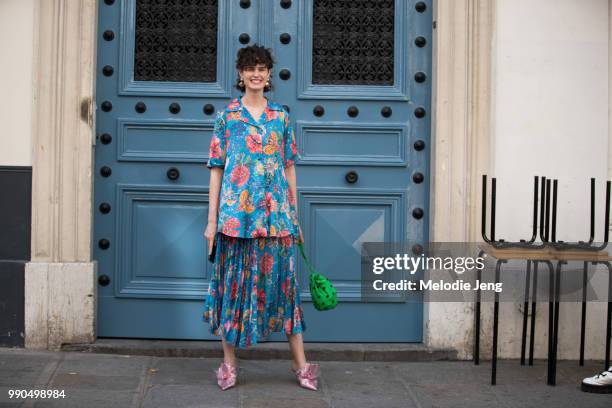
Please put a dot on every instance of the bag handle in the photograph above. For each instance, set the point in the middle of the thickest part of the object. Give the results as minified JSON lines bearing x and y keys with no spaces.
{"x":301,"y":246}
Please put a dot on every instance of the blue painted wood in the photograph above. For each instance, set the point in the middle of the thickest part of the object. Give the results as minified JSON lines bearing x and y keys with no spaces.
{"x":156,"y":259}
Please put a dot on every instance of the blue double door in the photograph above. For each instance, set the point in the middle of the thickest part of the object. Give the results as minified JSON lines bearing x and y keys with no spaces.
{"x":356,"y":78}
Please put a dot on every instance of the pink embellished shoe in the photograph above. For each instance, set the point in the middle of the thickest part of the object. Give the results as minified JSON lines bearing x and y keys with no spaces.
{"x":227,"y":376}
{"x":307,"y":376}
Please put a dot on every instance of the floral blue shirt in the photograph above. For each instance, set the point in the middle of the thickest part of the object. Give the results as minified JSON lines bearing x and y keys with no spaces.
{"x":254,"y":198}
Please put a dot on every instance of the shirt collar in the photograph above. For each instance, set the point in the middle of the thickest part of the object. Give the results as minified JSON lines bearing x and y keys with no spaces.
{"x":236,"y":105}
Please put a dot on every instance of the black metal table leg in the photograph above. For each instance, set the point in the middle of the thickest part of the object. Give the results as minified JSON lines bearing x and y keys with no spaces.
{"x":609,"y":320}
{"x":477,"y":317}
{"x":556,"y":323}
{"x":584,"y":308}
{"x":495,"y":324}
{"x":551,"y":311}
{"x":525,"y":312}
{"x":534,"y":299}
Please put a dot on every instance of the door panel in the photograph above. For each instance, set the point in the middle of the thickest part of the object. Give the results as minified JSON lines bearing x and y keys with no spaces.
{"x":356,"y":80}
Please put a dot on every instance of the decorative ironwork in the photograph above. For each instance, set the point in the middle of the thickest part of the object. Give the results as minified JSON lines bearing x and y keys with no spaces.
{"x":419,"y":112}
{"x":285,"y":38}
{"x":418,"y":177}
{"x":244,"y":38}
{"x":140,"y":107}
{"x":420,"y":77}
{"x":209,"y":109}
{"x":106,"y":138}
{"x":108,"y":70}
{"x":419,"y":145}
{"x":176,"y":40}
{"x":284,"y":74}
{"x":353,"y":42}
{"x":105,"y":208}
{"x":107,"y":106}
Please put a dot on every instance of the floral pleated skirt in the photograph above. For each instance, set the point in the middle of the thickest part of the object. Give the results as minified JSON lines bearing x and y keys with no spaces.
{"x":253,"y":289}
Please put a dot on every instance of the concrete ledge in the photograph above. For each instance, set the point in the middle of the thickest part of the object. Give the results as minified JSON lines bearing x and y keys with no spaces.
{"x":267,"y":350}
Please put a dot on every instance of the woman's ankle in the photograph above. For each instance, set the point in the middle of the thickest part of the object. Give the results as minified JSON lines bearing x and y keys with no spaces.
{"x":231,"y":361}
{"x":295,"y":366}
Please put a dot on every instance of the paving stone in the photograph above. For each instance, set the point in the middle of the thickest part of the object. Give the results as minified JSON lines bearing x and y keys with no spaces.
{"x":91,"y":398}
{"x":19,"y":368}
{"x":365,"y":384}
{"x":164,"y":396}
{"x":272,"y":402}
{"x":88,"y":381}
{"x":455,"y":395}
{"x":183,"y":371}
{"x":103,"y":364}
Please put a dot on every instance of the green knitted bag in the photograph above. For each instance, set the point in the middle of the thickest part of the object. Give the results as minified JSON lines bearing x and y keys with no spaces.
{"x":322,"y":291}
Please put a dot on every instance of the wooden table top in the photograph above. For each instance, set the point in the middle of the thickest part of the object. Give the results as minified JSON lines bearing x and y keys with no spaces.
{"x":545,"y":254}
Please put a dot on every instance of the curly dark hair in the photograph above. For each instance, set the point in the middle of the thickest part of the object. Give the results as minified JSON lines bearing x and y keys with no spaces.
{"x":250,"y":56}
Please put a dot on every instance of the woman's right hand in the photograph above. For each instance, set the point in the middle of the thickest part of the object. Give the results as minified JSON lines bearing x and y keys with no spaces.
{"x":209,"y":234}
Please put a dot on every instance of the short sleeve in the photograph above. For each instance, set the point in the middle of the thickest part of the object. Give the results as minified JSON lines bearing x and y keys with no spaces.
{"x":217,"y":151}
{"x":290,"y":151}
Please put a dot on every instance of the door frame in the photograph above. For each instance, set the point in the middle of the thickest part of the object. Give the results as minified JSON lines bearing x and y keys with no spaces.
{"x":60,"y":286}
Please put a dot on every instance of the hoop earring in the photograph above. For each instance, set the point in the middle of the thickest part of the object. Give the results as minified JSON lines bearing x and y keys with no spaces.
{"x":267,"y":86}
{"x":241,"y":83}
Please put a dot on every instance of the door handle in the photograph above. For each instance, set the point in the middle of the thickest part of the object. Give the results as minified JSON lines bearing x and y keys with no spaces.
{"x":173,"y":173}
{"x":351,"y":177}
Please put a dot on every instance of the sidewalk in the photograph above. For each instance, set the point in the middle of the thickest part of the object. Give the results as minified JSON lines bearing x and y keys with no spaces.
{"x":106,"y":380}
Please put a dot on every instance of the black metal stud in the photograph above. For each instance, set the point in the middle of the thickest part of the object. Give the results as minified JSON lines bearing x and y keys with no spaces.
{"x":352,"y":111}
{"x":419,"y":145}
{"x":174,"y":108}
{"x":420,"y":77}
{"x":418,"y":213}
{"x":140,"y":107}
{"x":285,"y":38}
{"x":386,"y":111}
{"x":105,"y":171}
{"x":108,"y":35}
{"x":284,"y":74}
{"x":420,"y":7}
{"x":108,"y":70}
{"x":245,"y":4}
{"x":418,"y":177}
{"x":173,"y":173}
{"x":109,"y":2}
{"x":419,"y":112}
{"x":105,"y":208}
{"x":285,"y":4}
{"x":106,"y":106}
{"x":318,"y":110}
{"x":420,"y":42}
{"x":104,"y":243}
{"x":209,"y":109}
{"x":417,"y":249}
{"x":106,"y":138}
{"x":103,"y":280}
{"x":287,"y":108}
{"x":244,"y":38}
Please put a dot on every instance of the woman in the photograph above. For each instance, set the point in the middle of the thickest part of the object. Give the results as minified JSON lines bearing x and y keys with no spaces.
{"x":252,"y":219}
